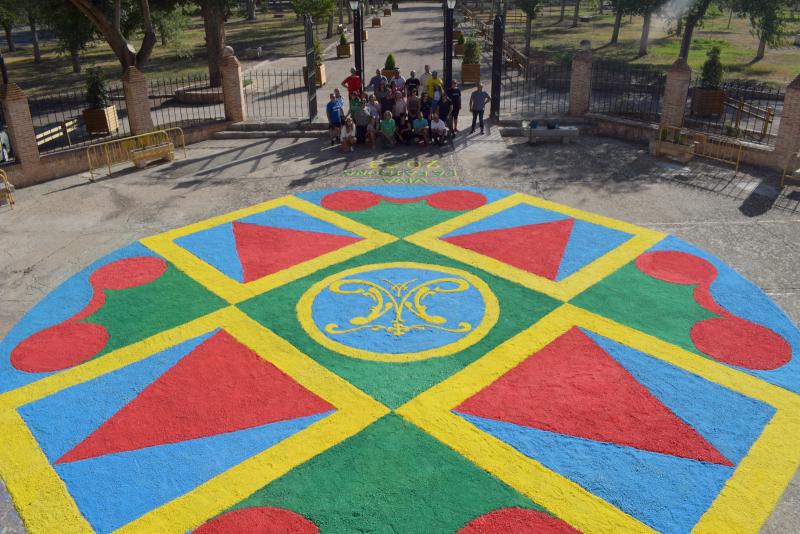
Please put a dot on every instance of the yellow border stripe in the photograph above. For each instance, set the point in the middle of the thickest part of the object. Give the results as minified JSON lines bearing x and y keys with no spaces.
{"x":233,"y":291}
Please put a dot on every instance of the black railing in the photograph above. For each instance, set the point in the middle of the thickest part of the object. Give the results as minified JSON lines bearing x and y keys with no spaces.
{"x":186,"y":101}
{"x":631,"y":91}
{"x":60,"y":123}
{"x":740,"y":109}
{"x":280,"y":94}
{"x":539,"y":89}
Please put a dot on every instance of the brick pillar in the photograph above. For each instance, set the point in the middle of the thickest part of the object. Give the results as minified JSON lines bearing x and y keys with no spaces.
{"x":788,"y":141}
{"x":679,"y":78}
{"x":20,"y":126}
{"x":232,"y":88}
{"x":136,"y":99}
{"x":580,"y":88}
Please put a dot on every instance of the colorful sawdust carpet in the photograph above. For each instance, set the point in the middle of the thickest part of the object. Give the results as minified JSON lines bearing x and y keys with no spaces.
{"x":402,"y":359}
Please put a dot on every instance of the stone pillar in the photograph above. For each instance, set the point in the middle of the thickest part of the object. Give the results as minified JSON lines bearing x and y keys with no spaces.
{"x":20,"y":126}
{"x":136,"y":99}
{"x":788,"y":140}
{"x":580,"y":87}
{"x":673,"y":108}
{"x":232,"y":87}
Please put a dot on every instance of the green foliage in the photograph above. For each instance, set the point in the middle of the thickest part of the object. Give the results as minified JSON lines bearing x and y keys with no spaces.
{"x":319,"y":54}
{"x":171,"y":26}
{"x":529,"y":7}
{"x":71,"y":28}
{"x":461,"y":39}
{"x":472,"y":52}
{"x":712,"y":69}
{"x":342,"y":39}
{"x":96,"y":90}
{"x":391,"y":63}
{"x":318,"y":9}
{"x":767,"y":17}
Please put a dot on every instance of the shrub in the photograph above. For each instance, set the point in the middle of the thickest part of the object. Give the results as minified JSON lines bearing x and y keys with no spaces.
{"x":391,"y":63}
{"x":712,"y":69}
{"x":472,"y":53}
{"x":342,"y":39}
{"x":96,"y":91}
{"x":461,"y":39}
{"x":318,"y":52}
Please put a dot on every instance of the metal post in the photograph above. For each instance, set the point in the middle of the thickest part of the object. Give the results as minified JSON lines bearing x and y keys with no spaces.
{"x":448,"y":49}
{"x":311,"y":67}
{"x":358,"y":28}
{"x":497,"y":66}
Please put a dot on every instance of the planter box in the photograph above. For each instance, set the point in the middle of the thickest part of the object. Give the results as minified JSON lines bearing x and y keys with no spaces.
{"x":678,"y":152}
{"x":470,"y":73}
{"x":345,"y":50}
{"x":376,"y":22}
{"x":458,"y":49}
{"x":389,"y":73}
{"x":364,"y":35}
{"x":457,"y":34}
{"x":321,"y":80}
{"x":101,"y":121}
{"x":387,"y":12}
{"x":708,"y":102}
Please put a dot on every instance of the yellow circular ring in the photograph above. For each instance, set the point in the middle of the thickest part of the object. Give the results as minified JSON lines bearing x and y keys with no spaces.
{"x":490,"y":316}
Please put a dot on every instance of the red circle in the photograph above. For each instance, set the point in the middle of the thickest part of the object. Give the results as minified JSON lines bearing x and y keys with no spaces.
{"x":742,"y":343}
{"x":350,"y":200}
{"x":127,"y":273}
{"x":59,"y":347}
{"x":518,"y":521}
{"x":677,"y":267}
{"x":259,"y":520}
{"x":456,"y":200}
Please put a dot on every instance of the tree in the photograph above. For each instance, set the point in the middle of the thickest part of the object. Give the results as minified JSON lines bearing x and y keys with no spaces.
{"x":693,"y":15}
{"x":645,"y":8}
{"x":577,"y":15}
{"x":8,"y":16}
{"x":250,"y":9}
{"x":531,"y":9}
{"x":215,"y":13}
{"x":767,"y":20}
{"x":71,"y":28}
{"x":317,"y":9}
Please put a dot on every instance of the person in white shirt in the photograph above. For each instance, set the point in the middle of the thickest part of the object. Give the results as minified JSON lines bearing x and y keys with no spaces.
{"x":438,"y":129}
{"x":349,"y":135}
{"x":424,"y":77}
{"x":399,"y":82}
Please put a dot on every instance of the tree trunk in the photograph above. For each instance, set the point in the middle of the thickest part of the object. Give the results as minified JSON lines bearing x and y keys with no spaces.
{"x":695,"y":16}
{"x":214,"y":25}
{"x":329,"y":32}
{"x":679,"y":28}
{"x":37,"y":53}
{"x":645,"y":34}
{"x":577,"y":15}
{"x":563,"y":11}
{"x":250,"y":7}
{"x":75,"y":58}
{"x":341,"y":11}
{"x":730,"y":19}
{"x":9,"y":37}
{"x":617,"y":24}
{"x":528,"y":36}
{"x":762,"y":50}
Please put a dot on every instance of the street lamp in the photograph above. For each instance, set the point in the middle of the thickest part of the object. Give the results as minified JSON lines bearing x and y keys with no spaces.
{"x":358,"y":29}
{"x":448,"y":45}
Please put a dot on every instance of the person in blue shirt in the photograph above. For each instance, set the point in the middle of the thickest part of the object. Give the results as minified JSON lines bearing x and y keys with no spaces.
{"x":335,"y":112}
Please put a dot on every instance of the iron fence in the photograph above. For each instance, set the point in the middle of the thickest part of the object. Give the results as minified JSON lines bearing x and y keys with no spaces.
{"x":741,"y":109}
{"x":631,"y":91}
{"x":535,"y":89}
{"x":60,"y":123}
{"x":280,"y":94}
{"x":185,"y":101}
{"x":7,"y":156}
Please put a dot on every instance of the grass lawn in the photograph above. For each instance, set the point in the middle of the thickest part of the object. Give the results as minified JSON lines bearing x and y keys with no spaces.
{"x":553,"y":42}
{"x":278,"y":37}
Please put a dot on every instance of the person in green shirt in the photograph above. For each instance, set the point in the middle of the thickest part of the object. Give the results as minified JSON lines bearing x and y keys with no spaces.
{"x":355,"y":105}
{"x":388,"y":128}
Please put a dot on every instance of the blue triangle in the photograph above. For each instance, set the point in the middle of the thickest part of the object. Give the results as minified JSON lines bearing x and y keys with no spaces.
{"x":587,"y":243}
{"x":729,"y":421}
{"x":115,"y":489}
{"x":668,"y":493}
{"x":519,"y":215}
{"x":61,"y":421}
{"x":217,"y":247}
{"x":292,"y":219}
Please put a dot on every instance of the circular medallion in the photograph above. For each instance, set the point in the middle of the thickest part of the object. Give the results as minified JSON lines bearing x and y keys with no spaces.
{"x":398,"y":312}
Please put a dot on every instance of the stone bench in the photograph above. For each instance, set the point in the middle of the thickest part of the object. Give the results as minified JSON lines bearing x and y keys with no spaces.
{"x":142,"y":156}
{"x":565,"y":134}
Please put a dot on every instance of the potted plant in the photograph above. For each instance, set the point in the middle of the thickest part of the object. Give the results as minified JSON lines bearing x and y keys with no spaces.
{"x":709,"y":99}
{"x":387,"y":12}
{"x":364,"y":35}
{"x":320,"y":59}
{"x":674,"y":144}
{"x":101,"y":115}
{"x":389,"y":67}
{"x":471,"y":64}
{"x":376,"y":20}
{"x":343,"y":49}
{"x":458,"y":49}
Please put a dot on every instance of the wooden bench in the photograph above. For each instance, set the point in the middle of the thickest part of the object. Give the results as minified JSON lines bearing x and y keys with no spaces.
{"x":566,"y":134}
{"x":141,"y":156}
{"x":6,"y":189}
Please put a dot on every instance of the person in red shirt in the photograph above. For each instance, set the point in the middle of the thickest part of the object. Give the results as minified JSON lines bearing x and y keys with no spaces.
{"x":353,"y":83}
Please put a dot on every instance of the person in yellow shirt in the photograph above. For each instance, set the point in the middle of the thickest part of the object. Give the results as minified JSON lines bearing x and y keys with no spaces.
{"x":435,"y":89}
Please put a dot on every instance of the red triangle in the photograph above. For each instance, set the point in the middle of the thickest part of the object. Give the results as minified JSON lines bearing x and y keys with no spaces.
{"x":221,"y":386}
{"x":573,"y":387}
{"x":265,"y":250}
{"x":536,"y":248}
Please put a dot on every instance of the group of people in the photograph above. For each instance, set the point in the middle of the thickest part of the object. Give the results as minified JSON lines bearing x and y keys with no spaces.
{"x":413,"y":110}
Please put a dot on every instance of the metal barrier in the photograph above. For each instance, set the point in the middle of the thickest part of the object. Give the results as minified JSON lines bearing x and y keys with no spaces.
{"x":119,"y":151}
{"x":718,"y":149}
{"x":6,"y":190}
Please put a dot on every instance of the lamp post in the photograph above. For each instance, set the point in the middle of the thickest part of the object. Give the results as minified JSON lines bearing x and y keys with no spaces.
{"x":448,"y":44}
{"x":358,"y":29}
